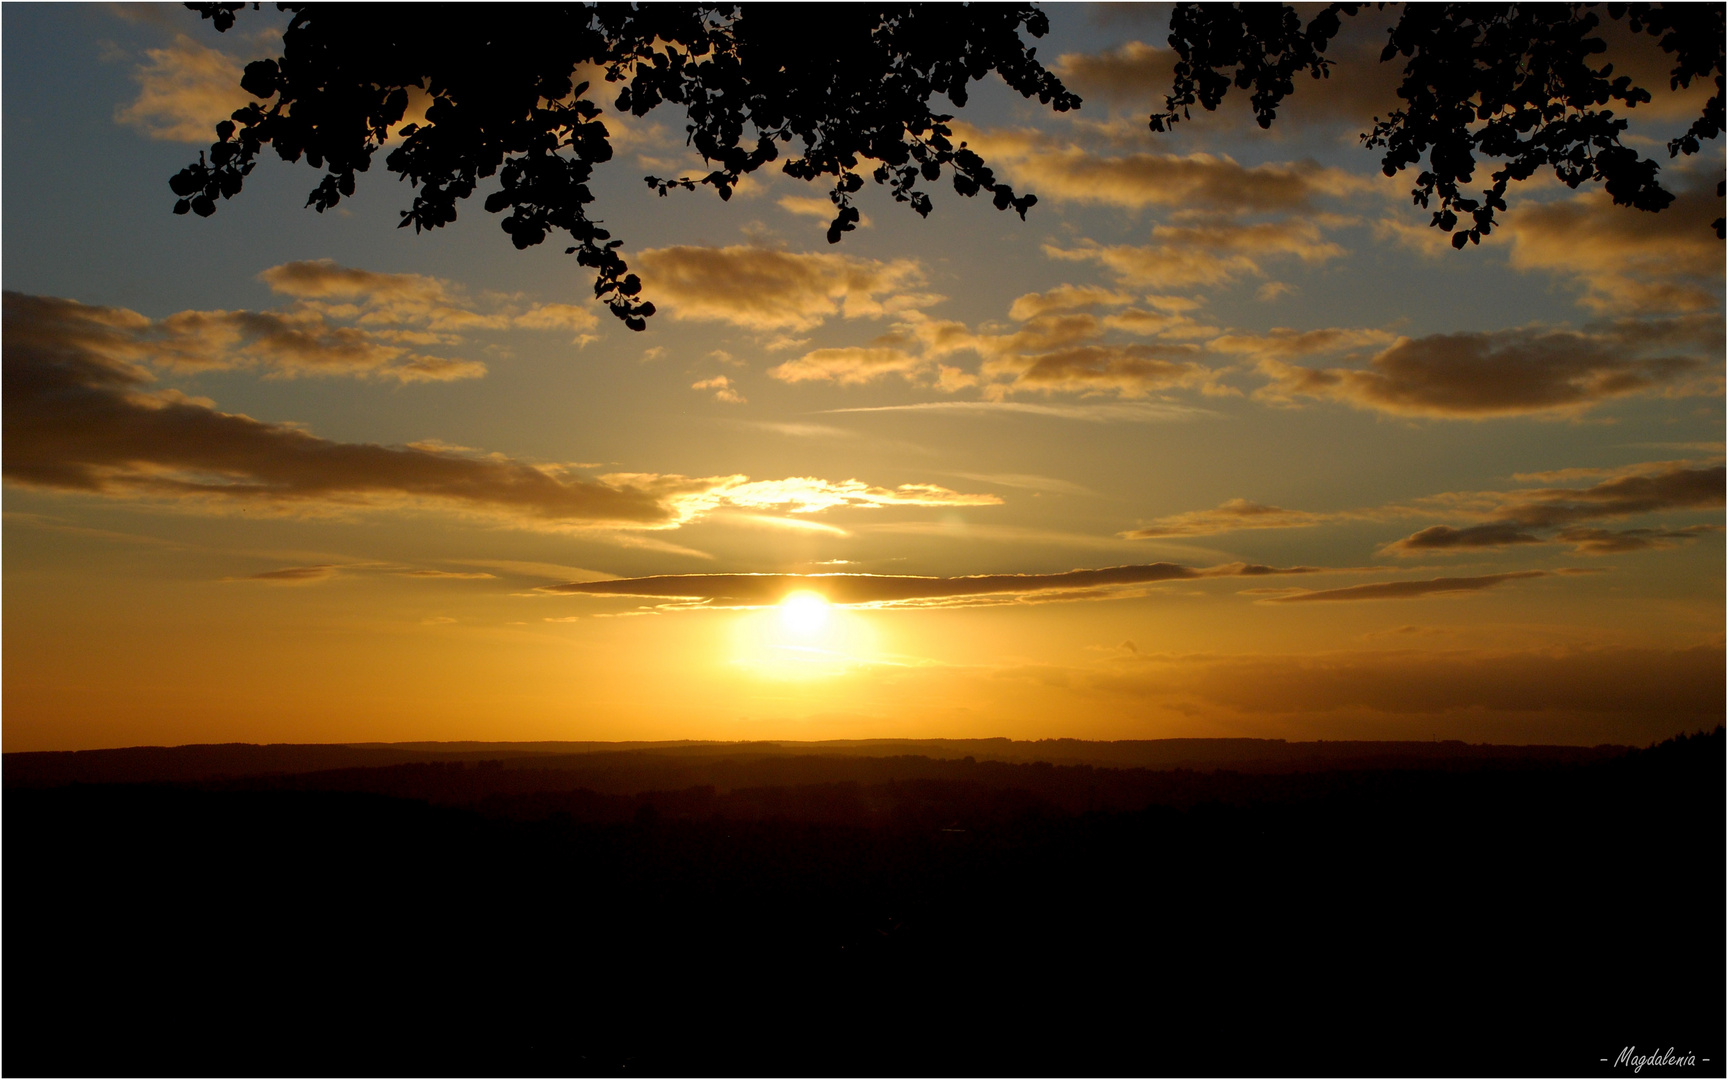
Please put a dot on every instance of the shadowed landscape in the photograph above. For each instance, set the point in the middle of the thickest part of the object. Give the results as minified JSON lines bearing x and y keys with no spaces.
{"x":864,"y":907}
{"x":889,"y":540}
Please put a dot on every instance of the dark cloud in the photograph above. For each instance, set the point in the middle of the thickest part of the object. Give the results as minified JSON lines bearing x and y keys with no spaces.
{"x":1444,"y":537}
{"x":1403,"y":590}
{"x":763,"y":590}
{"x":298,"y":341}
{"x":291,"y":575}
{"x":80,"y":420}
{"x":1231,"y":516}
{"x":1517,"y":517}
{"x":1590,"y":541}
{"x":1137,"y":77}
{"x":1502,"y":373}
{"x":1673,"y":488}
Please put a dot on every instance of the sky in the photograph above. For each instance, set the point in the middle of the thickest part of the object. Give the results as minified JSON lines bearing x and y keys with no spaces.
{"x":1222,"y":440}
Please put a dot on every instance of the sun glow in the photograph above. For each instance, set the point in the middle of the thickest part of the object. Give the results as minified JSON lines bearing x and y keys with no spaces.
{"x":804,"y":612}
{"x":802,"y":637}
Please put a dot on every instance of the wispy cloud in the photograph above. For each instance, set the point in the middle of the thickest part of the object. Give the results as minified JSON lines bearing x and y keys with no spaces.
{"x":1102,"y":412}
{"x":1405,"y":590}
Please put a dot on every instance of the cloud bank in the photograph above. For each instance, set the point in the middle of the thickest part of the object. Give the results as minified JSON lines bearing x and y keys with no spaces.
{"x":879,"y":590}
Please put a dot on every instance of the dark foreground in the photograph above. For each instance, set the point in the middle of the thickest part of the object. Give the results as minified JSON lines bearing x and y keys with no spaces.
{"x":757,"y":910}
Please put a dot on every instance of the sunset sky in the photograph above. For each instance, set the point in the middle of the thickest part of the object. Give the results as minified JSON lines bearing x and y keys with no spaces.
{"x":1222,"y":440}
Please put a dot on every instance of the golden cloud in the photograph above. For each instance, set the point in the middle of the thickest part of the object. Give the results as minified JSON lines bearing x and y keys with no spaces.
{"x":850,"y":366}
{"x":1066,"y":298}
{"x":184,"y":91}
{"x":722,"y":387}
{"x":1073,"y":173}
{"x":763,"y":289}
{"x":1214,"y":253}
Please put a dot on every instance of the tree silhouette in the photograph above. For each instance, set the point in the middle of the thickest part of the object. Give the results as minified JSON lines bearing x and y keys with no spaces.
{"x":853,"y":90}
{"x":1516,"y":82}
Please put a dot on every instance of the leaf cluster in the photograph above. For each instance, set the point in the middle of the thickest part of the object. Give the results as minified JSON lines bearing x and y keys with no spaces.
{"x":827,"y":97}
{"x":1521,"y":84}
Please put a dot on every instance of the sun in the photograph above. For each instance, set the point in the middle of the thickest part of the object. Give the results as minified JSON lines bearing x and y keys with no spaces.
{"x":804,"y":612}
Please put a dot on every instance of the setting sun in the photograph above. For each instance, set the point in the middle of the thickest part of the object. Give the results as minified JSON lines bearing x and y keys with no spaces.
{"x":804,"y":612}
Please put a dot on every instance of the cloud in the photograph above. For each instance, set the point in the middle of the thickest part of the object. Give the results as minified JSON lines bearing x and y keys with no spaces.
{"x":1099,"y":413}
{"x":1128,"y":370}
{"x":1066,"y":298}
{"x":378,"y":299}
{"x":1282,"y":343}
{"x":1493,"y":534}
{"x":579,"y":321}
{"x":80,"y":420}
{"x":1516,"y":517}
{"x":1230,"y":516}
{"x":722,"y":387}
{"x":804,"y":494}
{"x":1211,"y":253}
{"x":1138,"y":77}
{"x":1672,"y":487}
{"x":184,"y":91}
{"x":815,"y":206}
{"x":1405,"y":590}
{"x":1029,"y":482}
{"x":1626,"y":260}
{"x":290,"y":342}
{"x":850,"y":365}
{"x":1593,"y":541}
{"x":879,"y":590}
{"x":762,"y":289}
{"x":291,"y":575}
{"x":1070,"y":172}
{"x":1500,"y":373}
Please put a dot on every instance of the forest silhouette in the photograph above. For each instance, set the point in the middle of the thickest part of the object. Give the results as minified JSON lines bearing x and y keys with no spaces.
{"x":935,"y":907}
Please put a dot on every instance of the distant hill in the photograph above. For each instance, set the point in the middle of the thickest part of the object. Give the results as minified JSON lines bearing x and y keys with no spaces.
{"x":159,"y":764}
